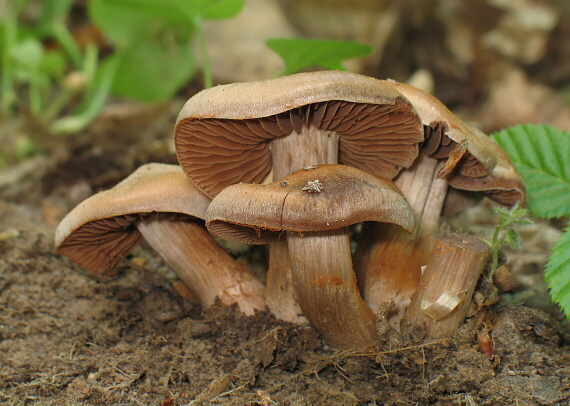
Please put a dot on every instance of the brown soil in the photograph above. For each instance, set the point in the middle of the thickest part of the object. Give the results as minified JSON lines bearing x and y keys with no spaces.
{"x":133,"y":339}
{"x":67,"y":338}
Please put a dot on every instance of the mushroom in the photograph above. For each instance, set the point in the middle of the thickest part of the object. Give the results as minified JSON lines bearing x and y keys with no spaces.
{"x":242,"y":132}
{"x":157,"y":203}
{"x":454,"y":154}
{"x":314,"y":207}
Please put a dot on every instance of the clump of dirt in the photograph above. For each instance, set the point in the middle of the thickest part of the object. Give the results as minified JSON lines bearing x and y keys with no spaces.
{"x":69,"y":339}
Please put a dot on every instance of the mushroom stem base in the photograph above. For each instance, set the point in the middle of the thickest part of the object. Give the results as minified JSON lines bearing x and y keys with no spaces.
{"x":442,"y":299}
{"x":325,"y":287}
{"x":279,"y":292}
{"x":207,"y":269}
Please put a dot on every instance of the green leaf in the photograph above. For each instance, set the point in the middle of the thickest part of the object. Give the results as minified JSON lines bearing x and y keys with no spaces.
{"x":27,"y":54}
{"x":300,"y":54}
{"x":222,"y":9}
{"x":512,"y":239}
{"x":53,"y":64}
{"x":154,"y":72}
{"x":510,"y":217}
{"x":52,"y":12}
{"x":124,"y":22}
{"x":557,"y":272}
{"x":153,"y":42}
{"x":118,"y":22}
{"x":541,"y":155}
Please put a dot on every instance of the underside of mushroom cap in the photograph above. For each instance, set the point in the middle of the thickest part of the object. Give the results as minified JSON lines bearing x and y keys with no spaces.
{"x":319,"y":198}
{"x":226,"y":130}
{"x":473,"y":161}
{"x":101,"y":230}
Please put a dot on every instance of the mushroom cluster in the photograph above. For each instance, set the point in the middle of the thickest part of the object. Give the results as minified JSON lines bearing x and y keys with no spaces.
{"x":293,"y":163}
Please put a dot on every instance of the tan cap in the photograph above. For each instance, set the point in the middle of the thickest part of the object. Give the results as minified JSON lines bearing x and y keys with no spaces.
{"x":223,"y":134}
{"x":101,"y":230}
{"x":324,"y":197}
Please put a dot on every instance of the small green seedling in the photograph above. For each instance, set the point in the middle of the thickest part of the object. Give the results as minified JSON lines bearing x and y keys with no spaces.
{"x":541,"y":154}
{"x":299,"y":53}
{"x":505,"y":233}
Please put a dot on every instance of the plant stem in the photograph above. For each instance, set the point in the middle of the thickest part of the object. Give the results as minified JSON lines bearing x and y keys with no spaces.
{"x":495,"y":248}
{"x":52,"y":110}
{"x":206,"y":66}
{"x":101,"y":87}
{"x":35,"y":95}
{"x":88,"y":71}
{"x":67,"y":42}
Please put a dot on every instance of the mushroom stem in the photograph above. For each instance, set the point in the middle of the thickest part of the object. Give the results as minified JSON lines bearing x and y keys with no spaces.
{"x":388,"y":260}
{"x":442,"y":299}
{"x":279,"y":291}
{"x":207,"y":269}
{"x":322,"y":273}
{"x":317,"y":148}
{"x":311,"y":146}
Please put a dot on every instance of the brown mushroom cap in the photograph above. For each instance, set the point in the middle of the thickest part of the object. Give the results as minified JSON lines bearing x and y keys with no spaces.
{"x":324,"y":197}
{"x":223,"y":133}
{"x":101,"y":230}
{"x":474,"y":161}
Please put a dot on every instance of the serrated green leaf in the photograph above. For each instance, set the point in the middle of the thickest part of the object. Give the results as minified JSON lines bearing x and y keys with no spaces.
{"x":299,"y":54}
{"x":512,"y":239}
{"x":557,"y":272}
{"x":540,"y":154}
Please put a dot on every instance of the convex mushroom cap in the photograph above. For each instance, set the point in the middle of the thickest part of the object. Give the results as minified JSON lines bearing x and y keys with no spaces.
{"x":316,"y":198}
{"x":223,"y":135}
{"x":101,"y":230}
{"x":259,"y":131}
